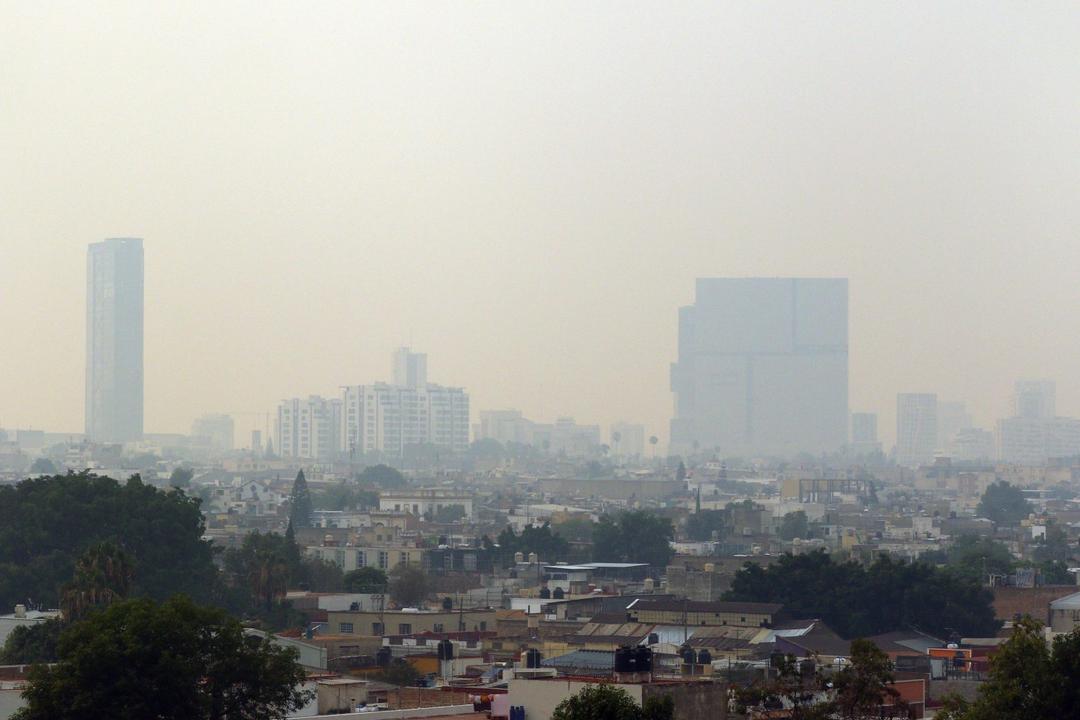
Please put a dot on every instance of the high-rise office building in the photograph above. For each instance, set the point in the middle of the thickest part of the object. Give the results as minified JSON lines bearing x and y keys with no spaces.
{"x":762,"y":367}
{"x":114,"y":340}
{"x":1035,"y":399}
{"x":1035,"y":434}
{"x":916,"y":428}
{"x":216,"y":428}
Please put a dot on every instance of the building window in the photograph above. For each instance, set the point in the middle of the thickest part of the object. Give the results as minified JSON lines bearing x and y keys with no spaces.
{"x":346,"y":628}
{"x":376,"y":628}
{"x":438,"y":627}
{"x":483,"y":625}
{"x":384,"y":559}
{"x":404,"y":629}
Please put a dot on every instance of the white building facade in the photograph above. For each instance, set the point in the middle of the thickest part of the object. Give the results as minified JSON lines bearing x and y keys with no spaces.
{"x":309,"y":428}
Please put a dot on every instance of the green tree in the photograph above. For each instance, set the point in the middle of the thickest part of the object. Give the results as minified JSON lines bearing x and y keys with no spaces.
{"x":705,"y":525}
{"x":399,"y":673}
{"x":409,"y":586}
{"x":680,"y":472}
{"x":598,"y":702}
{"x":345,"y":496}
{"x":574,"y":529}
{"x":863,"y":601}
{"x":29,"y":644}
{"x":366,"y":580}
{"x":549,"y":546}
{"x":634,"y":536}
{"x":47,"y":523}
{"x":382,"y":476}
{"x":181,"y":477}
{"x":103,"y":575}
{"x":300,"y":507}
{"x":1028,"y":679}
{"x":974,"y":557}
{"x":863,"y":685}
{"x":43,"y":465}
{"x":794,"y":525}
{"x":1004,"y":504}
{"x":173,"y":661}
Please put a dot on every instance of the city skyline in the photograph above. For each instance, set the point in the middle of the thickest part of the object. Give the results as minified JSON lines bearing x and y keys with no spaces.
{"x":335,"y":187}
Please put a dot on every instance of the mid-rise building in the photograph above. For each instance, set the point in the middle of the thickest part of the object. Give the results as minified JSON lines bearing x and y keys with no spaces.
{"x":390,"y":418}
{"x":114,"y":340}
{"x":762,"y":367}
{"x":410,"y":369}
{"x":952,"y":417}
{"x":217,"y":428}
{"x":505,"y":426}
{"x":1035,"y":434}
{"x":309,"y":428}
{"x":916,"y":428}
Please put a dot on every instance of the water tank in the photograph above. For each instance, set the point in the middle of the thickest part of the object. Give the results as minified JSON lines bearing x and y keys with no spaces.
{"x":445,"y":650}
{"x":654,"y":638}
{"x":558,"y":594}
{"x":519,"y":557}
{"x":687,"y":654}
{"x":710,"y":567}
{"x":650,"y":584}
{"x":644,"y":658}
{"x":382,"y":657}
{"x":533,"y":558}
{"x":704,"y":657}
{"x":622,"y":659}
{"x":545,"y":594}
{"x":532,"y":658}
{"x":20,"y":611}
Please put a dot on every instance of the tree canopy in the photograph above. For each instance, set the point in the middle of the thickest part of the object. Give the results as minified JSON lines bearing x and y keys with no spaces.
{"x":409,"y":586}
{"x":974,"y":557}
{"x":608,"y":702}
{"x":548,"y":545}
{"x":634,"y":536}
{"x":47,"y":523}
{"x":858,"y":601}
{"x":365,"y":580}
{"x":794,"y":525}
{"x":172,"y":661}
{"x":382,"y":476}
{"x":705,"y":524}
{"x":1004,"y":504}
{"x":1028,"y":679}
{"x":300,"y":507}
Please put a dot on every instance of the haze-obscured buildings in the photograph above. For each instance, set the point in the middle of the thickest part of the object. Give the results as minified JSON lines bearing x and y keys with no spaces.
{"x":217,"y":429}
{"x":114,"y":340}
{"x":916,"y":428}
{"x":1035,"y":434}
{"x":762,"y":367}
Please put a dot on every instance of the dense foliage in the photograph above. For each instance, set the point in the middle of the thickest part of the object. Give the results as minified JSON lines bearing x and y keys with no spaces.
{"x":258,"y":573}
{"x":608,"y":702}
{"x":706,"y":525}
{"x":47,"y":523}
{"x":794,"y":525}
{"x":28,"y":644}
{"x":365,"y":580}
{"x":173,"y":661}
{"x":974,"y":557}
{"x":634,"y":536}
{"x":862,"y":601}
{"x":300,"y":507}
{"x":1028,"y":679}
{"x":409,"y":586}
{"x":345,"y":496}
{"x":548,"y":545}
{"x":1004,"y":504}
{"x":382,"y":476}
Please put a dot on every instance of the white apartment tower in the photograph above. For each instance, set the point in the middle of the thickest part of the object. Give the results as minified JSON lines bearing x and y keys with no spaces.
{"x":309,"y":428}
{"x":389,"y":418}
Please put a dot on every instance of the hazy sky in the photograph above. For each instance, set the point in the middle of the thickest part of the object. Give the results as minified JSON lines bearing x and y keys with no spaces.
{"x":526,"y":191}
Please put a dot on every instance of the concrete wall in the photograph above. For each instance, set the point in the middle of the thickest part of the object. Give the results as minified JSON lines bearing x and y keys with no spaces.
{"x":693,"y":700}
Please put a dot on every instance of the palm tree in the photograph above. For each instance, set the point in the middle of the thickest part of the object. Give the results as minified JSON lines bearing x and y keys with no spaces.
{"x":268,"y":577}
{"x":103,"y":575}
{"x":652,"y":441}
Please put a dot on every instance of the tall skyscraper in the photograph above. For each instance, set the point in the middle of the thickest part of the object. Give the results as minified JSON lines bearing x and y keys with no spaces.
{"x":763,"y":367}
{"x":114,"y":340}
{"x":916,"y":428}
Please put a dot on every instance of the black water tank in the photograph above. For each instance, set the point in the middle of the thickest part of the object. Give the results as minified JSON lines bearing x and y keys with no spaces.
{"x":382,"y":657}
{"x":704,"y":657}
{"x":558,"y":594}
{"x":545,"y":594}
{"x":644,"y":658}
{"x":622,"y":659}
{"x":687,"y":654}
{"x":532,"y":658}
{"x":446,"y":650}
